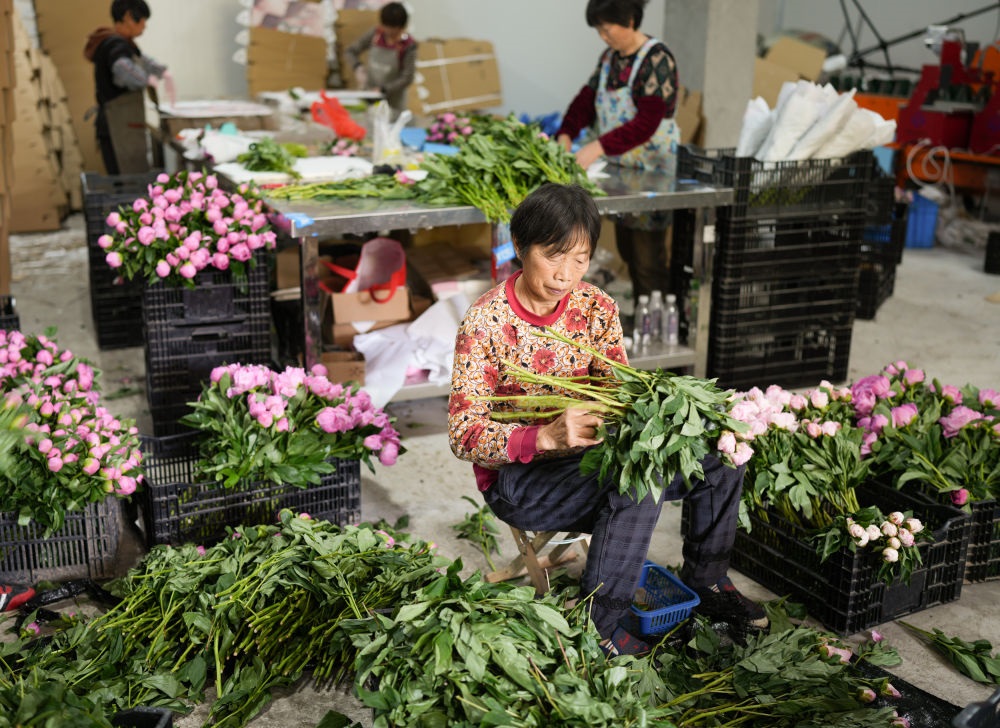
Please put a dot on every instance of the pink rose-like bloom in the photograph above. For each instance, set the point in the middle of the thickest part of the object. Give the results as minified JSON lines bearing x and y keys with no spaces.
{"x":867,"y":391}
{"x":104,"y":242}
{"x":220,"y":261}
{"x":952,"y":393}
{"x":831,"y":428}
{"x":114,"y":259}
{"x":814,"y":429}
{"x":797,"y":402}
{"x":188,"y":270}
{"x":866,"y":695}
{"x":905,"y":537}
{"x":373,"y":442}
{"x":742,"y":455}
{"x":819,"y":398}
{"x":334,"y":419}
{"x":959,"y":418}
{"x":727,"y":442}
{"x":904,"y":414}
{"x":389,"y":453}
{"x":891,"y":555}
{"x":163,"y":269}
{"x":989,"y":398}
{"x":913,"y":376}
{"x":960,"y":497}
{"x":876,"y":636}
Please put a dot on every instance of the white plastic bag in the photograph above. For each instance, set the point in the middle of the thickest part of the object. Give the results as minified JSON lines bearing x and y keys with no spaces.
{"x":825,"y":128}
{"x":859,"y":127}
{"x":793,"y":119}
{"x":756,"y":124}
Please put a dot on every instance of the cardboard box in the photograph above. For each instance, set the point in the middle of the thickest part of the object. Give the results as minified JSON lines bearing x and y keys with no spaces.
{"x":688,"y":114}
{"x":475,"y":235}
{"x":351,"y":307}
{"x":342,"y":335}
{"x":453,"y":75}
{"x":786,"y":60}
{"x":277,"y":61}
{"x":344,"y":366}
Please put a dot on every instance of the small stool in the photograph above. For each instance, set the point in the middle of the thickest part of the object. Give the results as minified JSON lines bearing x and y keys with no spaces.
{"x":532,"y":562}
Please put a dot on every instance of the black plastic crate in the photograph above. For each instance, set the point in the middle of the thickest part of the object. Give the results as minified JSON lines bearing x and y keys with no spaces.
{"x":85,"y":547}
{"x":143,"y":718}
{"x":984,"y":542}
{"x":781,"y":189}
{"x":218,"y":297}
{"x":178,"y":510}
{"x":881,"y":249}
{"x":9,"y":320}
{"x":769,"y":249}
{"x":796,"y":357}
{"x":115,"y":302}
{"x":225,"y":319}
{"x":844,"y":592}
{"x":737,"y":302}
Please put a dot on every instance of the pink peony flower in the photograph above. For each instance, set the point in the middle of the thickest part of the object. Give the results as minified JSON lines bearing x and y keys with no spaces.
{"x":960,"y":497}
{"x":959,"y":418}
{"x":114,"y":259}
{"x":989,"y":398}
{"x":952,"y":393}
{"x":913,"y":376}
{"x":904,"y":414}
{"x":866,"y":695}
{"x":876,"y":636}
{"x":389,"y":453}
{"x":162,"y":269}
{"x":188,"y":270}
{"x":727,"y":442}
{"x":890,"y":554}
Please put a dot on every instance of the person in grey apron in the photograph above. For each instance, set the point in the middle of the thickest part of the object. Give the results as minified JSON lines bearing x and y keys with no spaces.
{"x":630,"y":99}
{"x":392,"y":57}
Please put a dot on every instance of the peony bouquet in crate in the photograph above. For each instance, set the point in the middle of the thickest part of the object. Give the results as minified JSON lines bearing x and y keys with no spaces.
{"x":185,"y":224}
{"x":808,"y":465}
{"x":920,"y":431}
{"x":258,"y":424}
{"x":65,"y":449}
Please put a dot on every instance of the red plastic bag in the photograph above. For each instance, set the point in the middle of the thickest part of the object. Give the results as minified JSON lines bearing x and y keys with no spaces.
{"x":329,"y":112}
{"x":381,"y":270}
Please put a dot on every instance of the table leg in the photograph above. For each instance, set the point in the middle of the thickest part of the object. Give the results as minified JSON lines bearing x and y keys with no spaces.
{"x":312,"y":316}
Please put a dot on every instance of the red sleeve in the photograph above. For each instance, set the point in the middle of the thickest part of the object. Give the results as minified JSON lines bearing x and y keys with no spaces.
{"x":649,"y":112}
{"x":580,"y":114}
{"x":522,"y":447}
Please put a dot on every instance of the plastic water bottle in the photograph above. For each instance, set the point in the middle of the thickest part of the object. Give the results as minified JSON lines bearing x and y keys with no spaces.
{"x":656,"y":316}
{"x":671,"y":322}
{"x":641,"y":330}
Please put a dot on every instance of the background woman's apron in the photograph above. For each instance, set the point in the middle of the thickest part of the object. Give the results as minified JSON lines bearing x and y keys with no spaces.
{"x":616,"y":107}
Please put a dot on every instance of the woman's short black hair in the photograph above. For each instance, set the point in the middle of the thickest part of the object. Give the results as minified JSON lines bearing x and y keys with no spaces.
{"x":618,"y":12}
{"x":555,"y":217}
{"x":393,"y":15}
{"x":138,"y":9}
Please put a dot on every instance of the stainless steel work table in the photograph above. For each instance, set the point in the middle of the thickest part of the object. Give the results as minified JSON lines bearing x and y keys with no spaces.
{"x":310,"y":222}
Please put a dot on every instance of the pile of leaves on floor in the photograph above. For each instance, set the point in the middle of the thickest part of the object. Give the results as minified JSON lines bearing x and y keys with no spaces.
{"x":423,"y":646}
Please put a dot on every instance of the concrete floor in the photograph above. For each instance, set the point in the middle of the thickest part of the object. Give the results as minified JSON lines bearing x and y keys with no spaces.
{"x":943,"y":317}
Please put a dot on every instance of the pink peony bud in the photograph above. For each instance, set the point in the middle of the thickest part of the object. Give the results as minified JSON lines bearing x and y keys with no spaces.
{"x":866,"y":695}
{"x":891,"y":555}
{"x":877,"y":636}
{"x":114,"y":259}
{"x":960,"y":497}
{"x":188,"y":270}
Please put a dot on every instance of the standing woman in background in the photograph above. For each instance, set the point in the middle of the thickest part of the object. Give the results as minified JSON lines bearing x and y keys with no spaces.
{"x":631,"y":96}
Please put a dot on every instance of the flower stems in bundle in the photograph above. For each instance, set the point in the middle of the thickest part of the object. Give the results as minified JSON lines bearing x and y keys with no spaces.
{"x":657,"y":424}
{"x":973,"y":659}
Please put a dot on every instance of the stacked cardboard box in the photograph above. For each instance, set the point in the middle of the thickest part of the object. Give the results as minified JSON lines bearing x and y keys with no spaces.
{"x":277,"y":61}
{"x":455,"y":74}
{"x":7,"y":80}
{"x":63,"y":27}
{"x":350,"y":25}
{"x":47,"y":162}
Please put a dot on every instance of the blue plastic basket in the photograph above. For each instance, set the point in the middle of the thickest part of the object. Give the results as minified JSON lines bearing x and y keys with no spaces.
{"x":922,"y":223}
{"x":669,"y":602}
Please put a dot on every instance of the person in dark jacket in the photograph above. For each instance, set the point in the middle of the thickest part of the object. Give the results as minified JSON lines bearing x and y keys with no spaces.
{"x":120,"y":67}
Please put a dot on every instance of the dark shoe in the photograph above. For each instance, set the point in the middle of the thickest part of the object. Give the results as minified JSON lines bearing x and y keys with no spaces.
{"x":13,"y":596}
{"x":623,"y":642}
{"x":722,"y":602}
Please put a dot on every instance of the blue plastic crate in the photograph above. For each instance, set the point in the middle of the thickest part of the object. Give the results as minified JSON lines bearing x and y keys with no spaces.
{"x":922,"y":223}
{"x":669,"y":602}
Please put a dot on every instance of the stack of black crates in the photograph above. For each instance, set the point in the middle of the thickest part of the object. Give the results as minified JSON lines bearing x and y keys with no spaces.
{"x":786,"y":266}
{"x":883,"y":239}
{"x":224,"y":319}
{"x":115,"y":303}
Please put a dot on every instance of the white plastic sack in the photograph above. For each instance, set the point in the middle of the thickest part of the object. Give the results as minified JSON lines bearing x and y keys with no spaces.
{"x":885,"y":131}
{"x":852,"y":136}
{"x":756,"y":124}
{"x":793,"y":119}
{"x":825,"y":128}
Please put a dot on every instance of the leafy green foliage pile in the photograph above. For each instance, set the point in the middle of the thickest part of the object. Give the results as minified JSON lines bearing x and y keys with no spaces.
{"x":425,"y":647}
{"x":493,"y":171}
{"x":268,"y":155}
{"x":480,"y":527}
